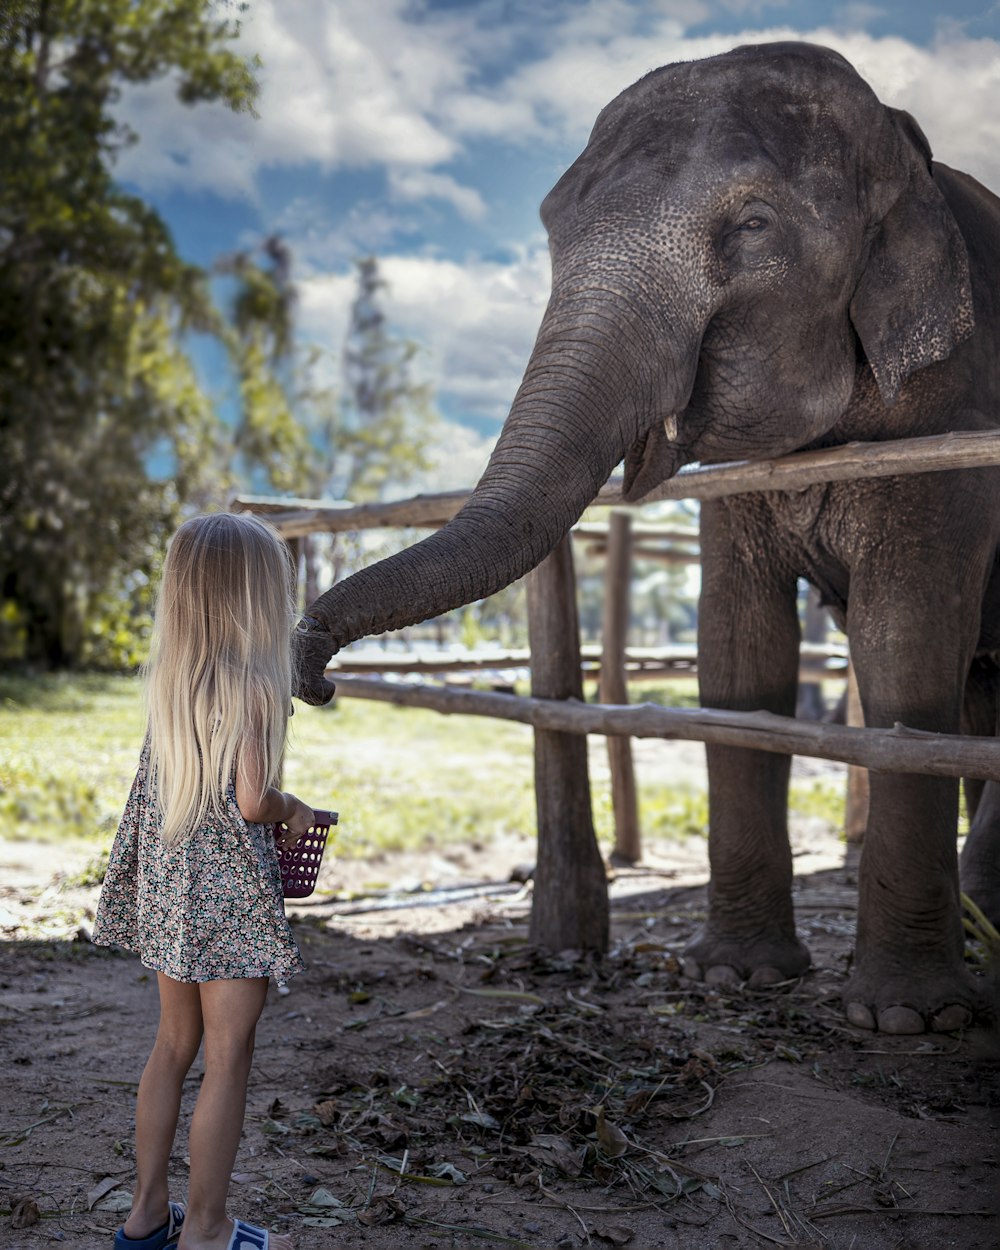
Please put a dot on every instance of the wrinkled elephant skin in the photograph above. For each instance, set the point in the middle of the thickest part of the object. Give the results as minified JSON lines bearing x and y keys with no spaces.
{"x":753,"y":256}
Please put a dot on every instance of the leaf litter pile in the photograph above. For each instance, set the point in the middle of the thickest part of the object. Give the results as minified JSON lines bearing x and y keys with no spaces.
{"x":457,"y":1088}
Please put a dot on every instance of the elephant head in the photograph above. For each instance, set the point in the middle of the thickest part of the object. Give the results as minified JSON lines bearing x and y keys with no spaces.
{"x":743,"y":239}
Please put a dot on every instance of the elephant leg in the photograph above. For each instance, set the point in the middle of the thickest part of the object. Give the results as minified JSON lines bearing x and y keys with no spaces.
{"x":979,"y":718}
{"x":979,"y":863}
{"x":747,"y":659}
{"x":980,"y":860}
{"x":912,"y":635}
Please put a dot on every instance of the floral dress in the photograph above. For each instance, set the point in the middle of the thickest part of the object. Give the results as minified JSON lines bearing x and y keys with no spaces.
{"x":208,"y":908}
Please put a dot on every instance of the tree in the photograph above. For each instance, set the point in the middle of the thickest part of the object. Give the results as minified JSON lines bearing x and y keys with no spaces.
{"x":267,"y":438}
{"x":104,"y":429}
{"x":375,"y":437}
{"x":388,"y":419}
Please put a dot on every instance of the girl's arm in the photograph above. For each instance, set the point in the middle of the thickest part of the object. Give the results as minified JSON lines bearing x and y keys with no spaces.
{"x":268,"y":805}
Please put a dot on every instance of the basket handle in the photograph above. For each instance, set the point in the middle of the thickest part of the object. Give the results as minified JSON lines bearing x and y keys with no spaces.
{"x":324,"y":819}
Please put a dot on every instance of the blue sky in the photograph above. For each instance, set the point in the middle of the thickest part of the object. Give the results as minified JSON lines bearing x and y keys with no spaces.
{"x":428,"y":131}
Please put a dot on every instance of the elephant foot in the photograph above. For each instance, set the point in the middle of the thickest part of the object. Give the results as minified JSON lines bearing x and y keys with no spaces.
{"x":764,"y":960}
{"x":915,"y":1002}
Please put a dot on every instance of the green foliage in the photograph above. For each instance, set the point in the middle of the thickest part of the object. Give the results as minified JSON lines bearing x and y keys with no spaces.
{"x":68,"y":751}
{"x":820,"y":800}
{"x":470,"y":634}
{"x":674,"y":692}
{"x":100,"y":402}
{"x":673,"y":812}
{"x":268,"y":437}
{"x":370,"y":439}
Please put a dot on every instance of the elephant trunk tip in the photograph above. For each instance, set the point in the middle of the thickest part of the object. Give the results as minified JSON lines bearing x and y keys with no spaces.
{"x":313,"y":647}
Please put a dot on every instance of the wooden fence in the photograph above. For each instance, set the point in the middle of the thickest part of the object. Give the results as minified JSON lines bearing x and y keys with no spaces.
{"x":570,"y":898}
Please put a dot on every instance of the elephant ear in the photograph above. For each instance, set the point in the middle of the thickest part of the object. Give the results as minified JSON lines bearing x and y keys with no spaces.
{"x":912,"y":305}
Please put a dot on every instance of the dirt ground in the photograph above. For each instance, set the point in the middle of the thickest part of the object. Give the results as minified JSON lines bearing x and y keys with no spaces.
{"x":432,"y":1082}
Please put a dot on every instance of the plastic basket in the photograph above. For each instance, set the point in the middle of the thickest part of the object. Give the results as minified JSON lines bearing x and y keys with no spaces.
{"x":299,"y":864}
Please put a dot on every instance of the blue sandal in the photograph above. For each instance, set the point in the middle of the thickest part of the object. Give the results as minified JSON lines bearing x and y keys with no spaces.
{"x":164,"y":1238}
{"x":248,"y":1237}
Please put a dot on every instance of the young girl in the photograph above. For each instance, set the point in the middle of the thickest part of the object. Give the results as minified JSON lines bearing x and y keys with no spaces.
{"x":192,"y":882}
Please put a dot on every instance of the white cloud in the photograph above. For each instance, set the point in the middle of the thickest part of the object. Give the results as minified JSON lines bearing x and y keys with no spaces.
{"x":477,"y":320}
{"x":367,"y":228}
{"x":422,"y":184}
{"x":458,"y":457}
{"x":401,"y":87}
{"x":951,"y":87}
{"x":344,"y":84}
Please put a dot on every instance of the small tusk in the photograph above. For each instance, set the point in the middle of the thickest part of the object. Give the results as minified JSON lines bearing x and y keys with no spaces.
{"x":670,"y":427}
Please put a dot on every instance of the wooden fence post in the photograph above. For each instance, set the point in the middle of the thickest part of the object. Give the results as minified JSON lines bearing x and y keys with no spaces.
{"x":614,"y":686}
{"x":570,"y":905}
{"x":856,"y":813}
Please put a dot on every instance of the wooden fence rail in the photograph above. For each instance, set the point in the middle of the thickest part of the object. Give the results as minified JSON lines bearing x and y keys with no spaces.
{"x":679,"y":661}
{"x":959,"y":450}
{"x":899,"y":749}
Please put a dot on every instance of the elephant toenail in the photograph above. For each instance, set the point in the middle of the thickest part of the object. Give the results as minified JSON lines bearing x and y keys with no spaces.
{"x":692,"y":969}
{"x":900,"y":1020}
{"x":766,"y":976}
{"x":859,"y":1015}
{"x":722,"y":974}
{"x":952,"y":1017}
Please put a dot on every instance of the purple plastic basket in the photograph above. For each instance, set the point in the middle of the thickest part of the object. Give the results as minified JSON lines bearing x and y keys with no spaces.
{"x":299,"y":864}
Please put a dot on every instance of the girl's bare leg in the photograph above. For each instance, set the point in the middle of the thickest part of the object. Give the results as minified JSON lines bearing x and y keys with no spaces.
{"x":158,"y":1105}
{"x":230,"y":1010}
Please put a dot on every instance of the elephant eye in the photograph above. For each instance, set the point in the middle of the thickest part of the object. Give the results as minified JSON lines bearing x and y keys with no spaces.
{"x":753,"y":223}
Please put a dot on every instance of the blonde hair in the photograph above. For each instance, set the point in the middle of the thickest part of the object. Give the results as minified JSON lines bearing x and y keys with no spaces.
{"x":219,"y":677}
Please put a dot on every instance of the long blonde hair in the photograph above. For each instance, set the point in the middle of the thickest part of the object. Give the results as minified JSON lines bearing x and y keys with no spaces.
{"x":219,"y":677}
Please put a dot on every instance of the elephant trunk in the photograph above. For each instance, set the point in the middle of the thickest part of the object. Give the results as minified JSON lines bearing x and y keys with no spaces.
{"x":583,"y":400}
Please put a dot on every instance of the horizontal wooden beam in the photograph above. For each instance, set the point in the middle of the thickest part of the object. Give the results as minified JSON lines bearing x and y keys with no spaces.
{"x":813,"y":656}
{"x":297,"y":518}
{"x":648,"y":552}
{"x":961,"y":449}
{"x":598,"y":531}
{"x":897,"y":750}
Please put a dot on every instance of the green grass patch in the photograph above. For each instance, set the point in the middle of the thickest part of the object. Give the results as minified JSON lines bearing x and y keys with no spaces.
{"x":401,"y":778}
{"x":677,"y":692}
{"x":69,"y":746}
{"x":822,"y":800}
{"x":407,"y":779}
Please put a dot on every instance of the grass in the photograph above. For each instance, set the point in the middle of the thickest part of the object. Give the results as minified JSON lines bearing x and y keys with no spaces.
{"x":402,"y":778}
{"x":68,"y":751}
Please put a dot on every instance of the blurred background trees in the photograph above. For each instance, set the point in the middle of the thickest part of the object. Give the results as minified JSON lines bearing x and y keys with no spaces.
{"x":369,"y":439}
{"x":107,"y":431}
{"x":103,"y":425}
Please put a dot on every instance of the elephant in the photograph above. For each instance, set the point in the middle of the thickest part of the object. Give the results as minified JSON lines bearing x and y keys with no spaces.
{"x":753,"y":256}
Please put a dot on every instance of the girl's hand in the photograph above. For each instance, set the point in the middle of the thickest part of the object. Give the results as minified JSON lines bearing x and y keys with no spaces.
{"x":299,"y":820}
